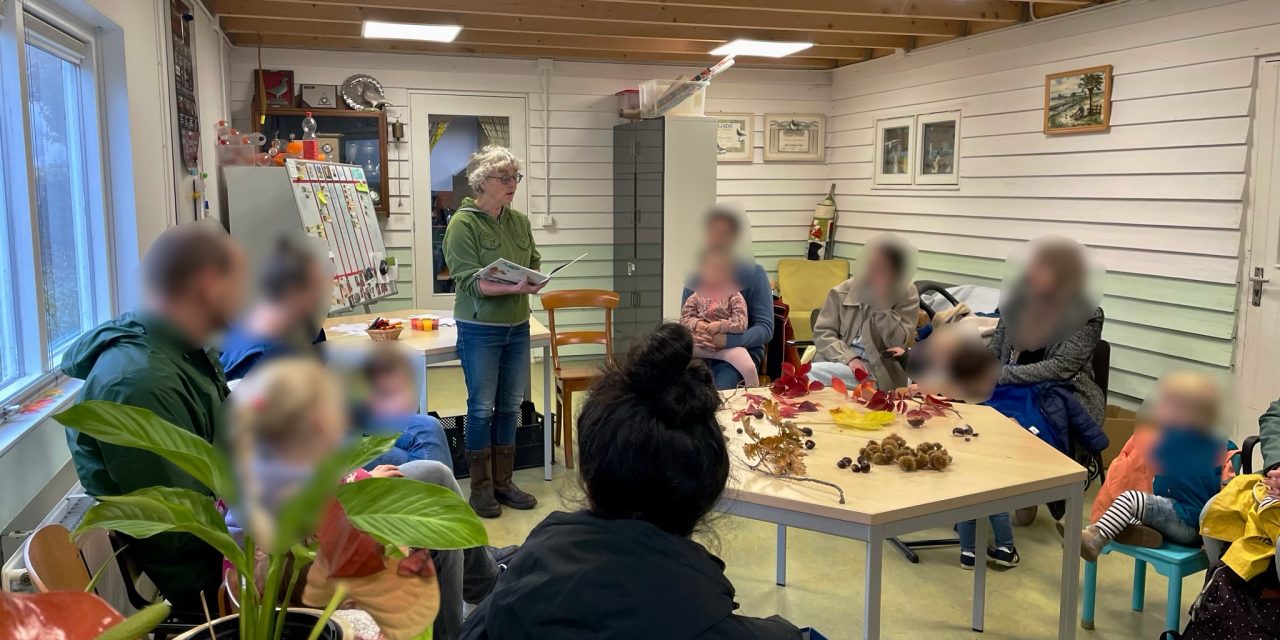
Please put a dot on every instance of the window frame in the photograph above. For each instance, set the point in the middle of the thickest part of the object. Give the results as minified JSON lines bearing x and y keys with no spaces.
{"x":914,"y":179}
{"x":36,"y":358}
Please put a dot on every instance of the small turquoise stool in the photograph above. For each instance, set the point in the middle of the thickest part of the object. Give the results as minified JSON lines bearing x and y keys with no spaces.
{"x":1172,"y":561}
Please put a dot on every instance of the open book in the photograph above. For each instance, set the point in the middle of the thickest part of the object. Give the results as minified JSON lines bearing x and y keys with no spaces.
{"x":504,"y":271}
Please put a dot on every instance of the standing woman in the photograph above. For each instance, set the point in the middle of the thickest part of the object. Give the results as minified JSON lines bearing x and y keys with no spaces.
{"x":493,"y":324}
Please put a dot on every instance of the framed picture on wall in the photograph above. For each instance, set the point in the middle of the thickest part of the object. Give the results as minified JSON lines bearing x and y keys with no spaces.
{"x":795,"y":137}
{"x":1078,"y":101}
{"x":276,"y":86}
{"x":894,"y":146}
{"x":330,"y":144}
{"x":735,"y":137}
{"x":937,"y":144}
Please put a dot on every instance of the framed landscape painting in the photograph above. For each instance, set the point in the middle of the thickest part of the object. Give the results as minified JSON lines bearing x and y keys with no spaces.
{"x":1078,"y":101}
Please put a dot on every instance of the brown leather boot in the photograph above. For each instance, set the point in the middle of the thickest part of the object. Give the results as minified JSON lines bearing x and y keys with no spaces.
{"x":482,"y":500}
{"x":504,"y":489}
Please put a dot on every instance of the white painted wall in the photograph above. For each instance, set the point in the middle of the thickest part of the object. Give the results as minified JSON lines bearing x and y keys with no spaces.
{"x":583,"y":110}
{"x":1159,"y":197}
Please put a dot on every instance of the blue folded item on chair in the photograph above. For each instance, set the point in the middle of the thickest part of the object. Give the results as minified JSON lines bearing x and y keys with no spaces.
{"x":1051,"y":411}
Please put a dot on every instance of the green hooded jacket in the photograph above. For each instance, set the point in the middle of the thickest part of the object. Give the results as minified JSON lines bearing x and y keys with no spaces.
{"x":473,"y":240}
{"x":144,"y":361}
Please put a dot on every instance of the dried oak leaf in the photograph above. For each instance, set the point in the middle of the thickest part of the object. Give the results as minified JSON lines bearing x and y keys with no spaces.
{"x":402,"y":600}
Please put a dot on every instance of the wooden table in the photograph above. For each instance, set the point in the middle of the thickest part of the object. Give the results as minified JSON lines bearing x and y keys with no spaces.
{"x":1003,"y":469}
{"x":433,"y":347}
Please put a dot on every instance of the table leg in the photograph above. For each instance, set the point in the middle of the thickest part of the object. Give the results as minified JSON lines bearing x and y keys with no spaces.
{"x":871,"y":590}
{"x":782,"y":555}
{"x":979,"y":572}
{"x":1071,"y":566}
{"x":548,"y":421}
{"x":422,"y":389}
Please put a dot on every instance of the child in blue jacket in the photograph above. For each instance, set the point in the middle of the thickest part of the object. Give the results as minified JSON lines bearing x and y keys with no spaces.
{"x":1188,"y":460}
{"x":391,"y":407}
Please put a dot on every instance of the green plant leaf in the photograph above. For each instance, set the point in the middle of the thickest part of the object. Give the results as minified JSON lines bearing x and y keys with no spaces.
{"x":140,"y":428}
{"x":297,"y":517}
{"x":409,"y":513}
{"x":139,"y":624}
{"x":152,"y":510}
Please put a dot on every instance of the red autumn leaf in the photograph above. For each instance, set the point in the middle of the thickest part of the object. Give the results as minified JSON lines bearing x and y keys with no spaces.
{"x":70,"y":615}
{"x":788,"y":369}
{"x":804,"y":369}
{"x":807,"y":406}
{"x":860,"y":375}
{"x":349,"y":552}
{"x":752,"y":397}
{"x":816,"y":386}
{"x":938,"y":401}
{"x":839,"y":386}
{"x":787,"y":411}
{"x":902,"y":406}
{"x":915,"y":413}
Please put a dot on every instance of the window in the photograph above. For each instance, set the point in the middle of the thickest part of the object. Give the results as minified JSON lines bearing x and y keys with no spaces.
{"x":918,"y":150}
{"x":53,"y":245}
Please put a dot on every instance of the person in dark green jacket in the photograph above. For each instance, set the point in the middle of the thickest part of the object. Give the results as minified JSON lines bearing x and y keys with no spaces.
{"x":156,"y":359}
{"x":493,"y":324}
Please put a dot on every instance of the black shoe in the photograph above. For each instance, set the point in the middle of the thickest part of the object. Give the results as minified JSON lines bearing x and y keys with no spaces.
{"x":968,"y":560}
{"x":1004,"y":556}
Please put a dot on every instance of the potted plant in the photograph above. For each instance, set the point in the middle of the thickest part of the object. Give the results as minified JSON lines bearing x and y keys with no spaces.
{"x":45,"y":615}
{"x":354,"y":539}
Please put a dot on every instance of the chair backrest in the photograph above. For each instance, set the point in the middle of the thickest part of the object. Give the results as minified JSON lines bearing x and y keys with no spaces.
{"x":1102,"y":366}
{"x":580,"y":299}
{"x":804,"y":285}
{"x":54,"y":561}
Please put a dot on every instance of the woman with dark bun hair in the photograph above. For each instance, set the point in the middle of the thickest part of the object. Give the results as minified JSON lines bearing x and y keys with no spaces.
{"x":653,"y":462}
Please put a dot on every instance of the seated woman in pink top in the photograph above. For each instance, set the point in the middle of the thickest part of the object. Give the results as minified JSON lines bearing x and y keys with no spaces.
{"x":716,"y":306}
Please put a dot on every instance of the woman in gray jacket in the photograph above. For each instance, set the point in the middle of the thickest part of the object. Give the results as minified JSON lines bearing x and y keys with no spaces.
{"x":868,"y":317}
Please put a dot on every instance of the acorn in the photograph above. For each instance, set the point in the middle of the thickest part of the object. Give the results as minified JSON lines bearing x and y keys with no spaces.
{"x":939,"y":460}
{"x":809,"y":444}
{"x":908,"y":463}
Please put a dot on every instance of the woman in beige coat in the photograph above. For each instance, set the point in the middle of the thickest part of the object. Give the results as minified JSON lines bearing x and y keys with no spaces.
{"x":869,"y":318}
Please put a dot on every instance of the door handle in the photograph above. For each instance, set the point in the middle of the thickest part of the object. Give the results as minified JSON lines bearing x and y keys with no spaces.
{"x":1258,"y":279}
{"x":631,"y":268}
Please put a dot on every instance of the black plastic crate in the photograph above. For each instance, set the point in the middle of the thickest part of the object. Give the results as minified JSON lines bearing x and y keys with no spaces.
{"x":529,"y":434}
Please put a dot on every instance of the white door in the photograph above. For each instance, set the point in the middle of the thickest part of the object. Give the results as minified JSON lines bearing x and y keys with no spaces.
{"x":443,"y":132}
{"x":1259,"y":349}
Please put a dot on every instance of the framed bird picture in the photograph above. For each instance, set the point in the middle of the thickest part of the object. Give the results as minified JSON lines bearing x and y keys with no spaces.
{"x":735,"y":137}
{"x":276,"y":86}
{"x":795,"y":137}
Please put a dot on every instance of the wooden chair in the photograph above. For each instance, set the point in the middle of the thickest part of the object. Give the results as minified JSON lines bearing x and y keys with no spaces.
{"x":572,"y":379}
{"x":54,"y":561}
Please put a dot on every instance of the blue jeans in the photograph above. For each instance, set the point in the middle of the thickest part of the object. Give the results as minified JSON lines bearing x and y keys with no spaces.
{"x":1001,"y":526}
{"x":421,"y":438}
{"x":725,"y":375}
{"x":495,"y":365}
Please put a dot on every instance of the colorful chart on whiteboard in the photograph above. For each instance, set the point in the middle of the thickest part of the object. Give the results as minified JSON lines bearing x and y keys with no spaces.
{"x":335,"y":206}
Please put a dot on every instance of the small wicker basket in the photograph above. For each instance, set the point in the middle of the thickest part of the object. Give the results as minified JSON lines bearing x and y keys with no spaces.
{"x":384,"y":335}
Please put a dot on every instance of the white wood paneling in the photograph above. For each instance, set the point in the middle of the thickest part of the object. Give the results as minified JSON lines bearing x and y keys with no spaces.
{"x":582,"y":112}
{"x":1159,"y":197}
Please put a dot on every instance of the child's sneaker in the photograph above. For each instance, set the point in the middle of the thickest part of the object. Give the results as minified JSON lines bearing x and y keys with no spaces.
{"x":1137,"y":535}
{"x":1004,"y":556}
{"x":967,"y":560}
{"x":1091,"y":543}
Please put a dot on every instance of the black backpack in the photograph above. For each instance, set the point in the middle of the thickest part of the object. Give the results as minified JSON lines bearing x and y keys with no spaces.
{"x":1232,"y":608}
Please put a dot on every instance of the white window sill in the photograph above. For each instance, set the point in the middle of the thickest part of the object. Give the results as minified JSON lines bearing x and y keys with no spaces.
{"x":14,"y":429}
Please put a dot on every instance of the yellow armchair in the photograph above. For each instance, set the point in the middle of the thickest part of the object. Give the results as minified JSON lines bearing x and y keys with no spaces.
{"x":804,"y":284}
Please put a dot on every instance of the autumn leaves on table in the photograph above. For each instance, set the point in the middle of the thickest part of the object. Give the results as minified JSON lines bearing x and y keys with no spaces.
{"x":783,"y":455}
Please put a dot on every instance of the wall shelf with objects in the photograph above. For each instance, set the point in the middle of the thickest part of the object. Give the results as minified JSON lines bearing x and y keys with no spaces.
{"x":345,"y":136}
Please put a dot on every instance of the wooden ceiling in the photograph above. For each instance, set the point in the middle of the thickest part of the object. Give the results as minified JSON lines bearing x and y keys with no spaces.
{"x":643,"y":31}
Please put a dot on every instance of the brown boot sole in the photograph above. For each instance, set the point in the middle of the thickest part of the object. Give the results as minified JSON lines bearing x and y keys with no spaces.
{"x":522,"y":503}
{"x":486,"y":511}
{"x":1137,"y":535}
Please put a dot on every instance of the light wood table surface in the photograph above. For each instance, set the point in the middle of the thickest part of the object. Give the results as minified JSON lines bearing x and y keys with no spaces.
{"x":433,"y":347}
{"x":1003,"y":469}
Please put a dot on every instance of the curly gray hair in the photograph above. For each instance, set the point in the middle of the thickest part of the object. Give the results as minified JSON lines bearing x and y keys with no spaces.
{"x":484,"y":162}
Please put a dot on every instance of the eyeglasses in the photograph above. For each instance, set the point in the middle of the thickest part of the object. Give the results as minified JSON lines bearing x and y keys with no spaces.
{"x":515,"y":179}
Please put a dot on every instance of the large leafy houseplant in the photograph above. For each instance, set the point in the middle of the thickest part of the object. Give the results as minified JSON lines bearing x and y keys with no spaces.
{"x":369,"y":525}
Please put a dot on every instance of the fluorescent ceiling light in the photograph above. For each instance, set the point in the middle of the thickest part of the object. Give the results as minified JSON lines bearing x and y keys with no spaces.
{"x":763,"y":48}
{"x":408,"y":31}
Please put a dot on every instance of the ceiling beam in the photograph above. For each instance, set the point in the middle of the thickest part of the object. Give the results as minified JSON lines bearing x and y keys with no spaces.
{"x":472,"y":36}
{"x":280,"y":10}
{"x":342,"y":43}
{"x":979,"y":10}
{"x":654,"y":14}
